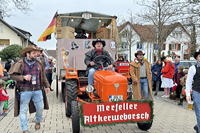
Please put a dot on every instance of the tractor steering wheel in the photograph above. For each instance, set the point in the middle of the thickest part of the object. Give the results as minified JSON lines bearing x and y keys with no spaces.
{"x":102,"y":60}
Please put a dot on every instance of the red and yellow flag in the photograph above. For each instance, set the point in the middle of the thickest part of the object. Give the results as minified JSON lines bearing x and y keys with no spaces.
{"x":50,"y":29}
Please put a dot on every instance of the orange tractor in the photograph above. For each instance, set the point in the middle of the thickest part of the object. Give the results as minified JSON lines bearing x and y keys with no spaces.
{"x":109,"y":86}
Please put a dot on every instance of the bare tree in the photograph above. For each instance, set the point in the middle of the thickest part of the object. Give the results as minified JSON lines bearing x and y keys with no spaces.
{"x":128,"y":35}
{"x":159,"y":13}
{"x":191,"y":22}
{"x":191,"y":27}
{"x":8,"y":5}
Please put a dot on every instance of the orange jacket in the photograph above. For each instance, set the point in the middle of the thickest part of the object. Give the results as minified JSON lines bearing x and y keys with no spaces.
{"x":168,"y":70}
{"x":1,"y":70}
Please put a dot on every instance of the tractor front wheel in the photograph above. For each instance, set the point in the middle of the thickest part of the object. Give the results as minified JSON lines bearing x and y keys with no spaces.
{"x":71,"y":95}
{"x":75,"y":117}
{"x":144,"y":126}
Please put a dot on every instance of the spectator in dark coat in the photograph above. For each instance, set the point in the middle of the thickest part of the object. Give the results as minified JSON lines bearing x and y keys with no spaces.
{"x":8,"y":65}
{"x":177,"y":78}
{"x":49,"y":71}
{"x":156,"y":75}
{"x":177,"y":63}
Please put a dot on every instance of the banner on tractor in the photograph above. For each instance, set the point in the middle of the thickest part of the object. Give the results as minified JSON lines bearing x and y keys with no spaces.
{"x":116,"y":112}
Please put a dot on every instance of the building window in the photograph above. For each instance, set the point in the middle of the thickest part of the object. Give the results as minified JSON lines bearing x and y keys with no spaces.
{"x":139,"y":45}
{"x":4,"y":42}
{"x":177,"y":34}
{"x":163,"y":47}
{"x":124,"y":45}
{"x":178,"y":46}
{"x":172,"y":46}
{"x":180,"y":35}
{"x":125,"y":34}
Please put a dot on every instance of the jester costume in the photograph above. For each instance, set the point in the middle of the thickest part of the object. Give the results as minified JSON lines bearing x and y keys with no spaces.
{"x":8,"y":84}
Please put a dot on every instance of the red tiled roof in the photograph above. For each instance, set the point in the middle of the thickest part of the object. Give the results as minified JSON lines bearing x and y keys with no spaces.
{"x":147,"y":33}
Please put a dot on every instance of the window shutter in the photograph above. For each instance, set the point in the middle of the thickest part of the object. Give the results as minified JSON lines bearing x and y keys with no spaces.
{"x":170,"y":46}
{"x":179,"y":46}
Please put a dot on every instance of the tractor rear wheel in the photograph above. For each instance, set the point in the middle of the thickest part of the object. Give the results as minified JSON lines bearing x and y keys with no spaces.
{"x":144,"y":126}
{"x":63,"y":91}
{"x":75,"y":117}
{"x":71,"y":95}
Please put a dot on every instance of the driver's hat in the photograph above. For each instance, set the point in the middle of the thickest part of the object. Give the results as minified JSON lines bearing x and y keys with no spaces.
{"x":99,"y":40}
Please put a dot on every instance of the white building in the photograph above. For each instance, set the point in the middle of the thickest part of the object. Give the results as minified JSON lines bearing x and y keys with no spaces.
{"x":177,"y":41}
{"x":11,"y":35}
{"x":123,"y":49}
{"x":144,"y":37}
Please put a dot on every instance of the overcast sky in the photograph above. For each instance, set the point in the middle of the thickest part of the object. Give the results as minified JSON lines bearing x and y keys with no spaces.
{"x":42,"y":11}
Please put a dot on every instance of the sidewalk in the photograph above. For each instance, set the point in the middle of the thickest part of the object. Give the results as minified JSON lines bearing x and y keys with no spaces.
{"x":54,"y":121}
{"x":175,"y":102}
{"x":168,"y":118}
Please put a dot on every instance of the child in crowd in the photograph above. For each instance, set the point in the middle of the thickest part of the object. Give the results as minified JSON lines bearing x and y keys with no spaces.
{"x":156,"y":75}
{"x":182,"y":83}
{"x":177,"y":78}
{"x":3,"y":96}
{"x":8,"y":84}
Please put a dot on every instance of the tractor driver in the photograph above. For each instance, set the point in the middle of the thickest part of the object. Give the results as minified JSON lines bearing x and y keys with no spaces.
{"x":90,"y":56}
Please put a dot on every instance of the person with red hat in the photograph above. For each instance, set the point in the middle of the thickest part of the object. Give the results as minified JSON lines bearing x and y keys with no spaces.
{"x":193,"y":83}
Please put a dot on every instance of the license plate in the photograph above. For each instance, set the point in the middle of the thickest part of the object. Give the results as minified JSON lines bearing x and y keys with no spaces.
{"x":115,"y":98}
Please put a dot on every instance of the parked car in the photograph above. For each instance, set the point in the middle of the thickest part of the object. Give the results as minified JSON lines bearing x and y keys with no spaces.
{"x":187,"y":63}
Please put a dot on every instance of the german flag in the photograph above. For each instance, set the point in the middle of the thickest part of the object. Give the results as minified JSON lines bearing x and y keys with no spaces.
{"x":50,"y":29}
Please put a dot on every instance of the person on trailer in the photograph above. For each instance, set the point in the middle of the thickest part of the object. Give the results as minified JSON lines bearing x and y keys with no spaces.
{"x":92,"y":67}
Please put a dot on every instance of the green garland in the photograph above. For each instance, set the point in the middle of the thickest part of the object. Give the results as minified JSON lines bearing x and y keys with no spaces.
{"x":112,"y":124}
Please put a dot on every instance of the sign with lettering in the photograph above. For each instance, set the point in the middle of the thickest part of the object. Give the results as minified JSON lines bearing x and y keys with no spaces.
{"x":116,"y":112}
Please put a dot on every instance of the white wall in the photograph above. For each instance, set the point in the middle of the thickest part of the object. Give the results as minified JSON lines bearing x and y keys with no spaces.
{"x":175,"y":38}
{"x":148,"y":49}
{"x":135,"y":40}
{"x":7,"y":33}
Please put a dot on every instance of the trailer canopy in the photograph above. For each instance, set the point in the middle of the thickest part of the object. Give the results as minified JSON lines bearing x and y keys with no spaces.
{"x":88,"y":21}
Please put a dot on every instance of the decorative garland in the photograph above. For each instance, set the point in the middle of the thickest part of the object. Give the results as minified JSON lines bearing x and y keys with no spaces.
{"x":112,"y":124}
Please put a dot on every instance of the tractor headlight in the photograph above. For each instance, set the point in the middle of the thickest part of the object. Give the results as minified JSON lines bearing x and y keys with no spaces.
{"x":89,"y":88}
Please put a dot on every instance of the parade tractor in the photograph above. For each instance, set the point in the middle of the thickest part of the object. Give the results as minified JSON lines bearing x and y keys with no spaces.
{"x":75,"y":33}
